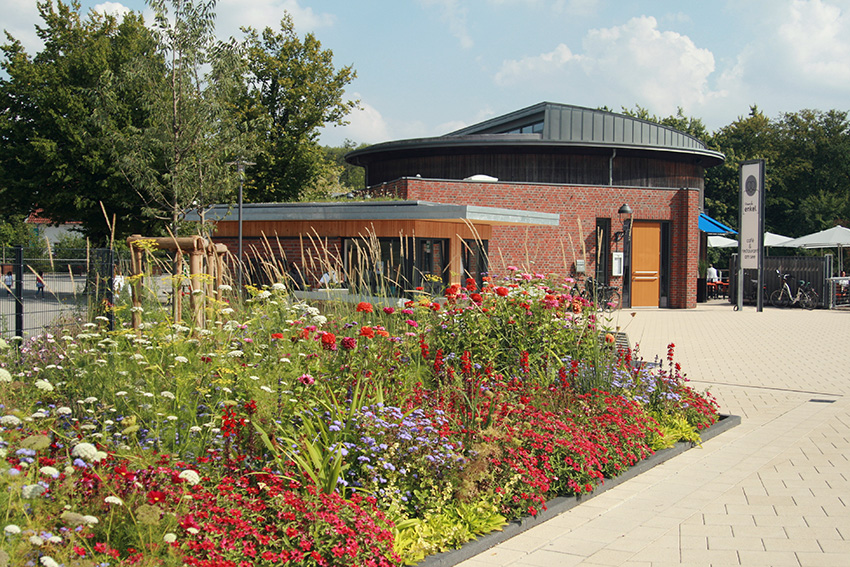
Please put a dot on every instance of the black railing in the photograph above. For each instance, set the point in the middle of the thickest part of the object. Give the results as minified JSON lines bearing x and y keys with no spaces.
{"x":42,"y":290}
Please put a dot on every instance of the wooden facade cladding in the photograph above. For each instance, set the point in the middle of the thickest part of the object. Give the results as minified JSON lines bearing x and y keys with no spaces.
{"x":541,"y":166}
{"x":352,"y":229}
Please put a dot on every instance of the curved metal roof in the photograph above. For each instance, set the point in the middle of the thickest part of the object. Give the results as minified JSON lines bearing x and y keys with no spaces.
{"x":557,"y":125}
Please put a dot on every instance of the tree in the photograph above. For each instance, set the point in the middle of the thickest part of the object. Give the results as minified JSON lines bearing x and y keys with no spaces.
{"x":52,"y":155}
{"x":750,"y":137}
{"x":179,"y":158}
{"x":351,"y":177}
{"x":295,"y":90}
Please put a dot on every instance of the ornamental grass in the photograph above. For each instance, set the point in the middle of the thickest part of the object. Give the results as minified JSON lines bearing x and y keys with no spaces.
{"x":283,"y":432}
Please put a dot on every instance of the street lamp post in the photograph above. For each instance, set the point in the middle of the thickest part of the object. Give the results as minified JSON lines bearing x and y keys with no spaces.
{"x":240,"y":169}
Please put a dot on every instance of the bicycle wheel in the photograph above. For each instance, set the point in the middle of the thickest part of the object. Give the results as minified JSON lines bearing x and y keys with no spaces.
{"x":613,"y":302}
{"x":779,"y":299}
{"x":809,"y":300}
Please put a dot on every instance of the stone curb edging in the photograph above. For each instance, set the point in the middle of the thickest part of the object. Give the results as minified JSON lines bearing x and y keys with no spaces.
{"x":561,"y":504}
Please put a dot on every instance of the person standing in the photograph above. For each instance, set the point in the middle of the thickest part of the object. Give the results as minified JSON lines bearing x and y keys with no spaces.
{"x":9,"y":281}
{"x":39,"y":285}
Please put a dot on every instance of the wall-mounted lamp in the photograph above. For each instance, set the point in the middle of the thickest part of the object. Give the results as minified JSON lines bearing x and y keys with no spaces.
{"x":625,"y":211}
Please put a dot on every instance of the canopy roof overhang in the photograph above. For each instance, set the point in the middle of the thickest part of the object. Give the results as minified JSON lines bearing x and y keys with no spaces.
{"x":711,"y":226}
{"x":377,"y":211}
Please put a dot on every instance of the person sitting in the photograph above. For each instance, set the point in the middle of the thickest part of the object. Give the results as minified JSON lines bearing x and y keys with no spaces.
{"x":711,"y":274}
{"x":328,"y":279}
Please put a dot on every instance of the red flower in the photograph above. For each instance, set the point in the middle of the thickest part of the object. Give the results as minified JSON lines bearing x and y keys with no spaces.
{"x":364,"y":307}
{"x":471,"y":285}
{"x":435,"y":306}
{"x":389,"y":310}
{"x":156,"y":496}
{"x":501,"y":291}
{"x":367,"y":332}
{"x":277,"y":335}
{"x":329,"y":341}
{"x":349,"y":343}
{"x":476,"y":298}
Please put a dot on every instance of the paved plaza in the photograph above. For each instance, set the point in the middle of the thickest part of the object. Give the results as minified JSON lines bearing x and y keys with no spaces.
{"x":774,"y":490}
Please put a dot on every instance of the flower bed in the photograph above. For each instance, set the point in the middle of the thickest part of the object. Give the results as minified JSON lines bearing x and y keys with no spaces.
{"x":352,"y":435}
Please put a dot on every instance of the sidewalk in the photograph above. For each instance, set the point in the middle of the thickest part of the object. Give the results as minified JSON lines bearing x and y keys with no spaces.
{"x":773,"y":491}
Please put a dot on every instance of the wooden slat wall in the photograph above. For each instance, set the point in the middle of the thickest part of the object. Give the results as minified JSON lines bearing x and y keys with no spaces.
{"x":353,"y":229}
{"x":561,"y":168}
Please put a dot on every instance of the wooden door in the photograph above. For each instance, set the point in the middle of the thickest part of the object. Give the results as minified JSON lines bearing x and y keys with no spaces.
{"x":646,"y":263}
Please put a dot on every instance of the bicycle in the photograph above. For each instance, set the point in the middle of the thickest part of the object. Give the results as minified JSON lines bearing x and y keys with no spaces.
{"x":783,"y":297}
{"x":605,"y":297}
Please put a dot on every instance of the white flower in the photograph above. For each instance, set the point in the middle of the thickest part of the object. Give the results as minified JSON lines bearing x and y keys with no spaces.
{"x":10,"y":421}
{"x":113,"y":500}
{"x":121,"y":393}
{"x":254,"y":377}
{"x":64,"y":410}
{"x":48,"y":561}
{"x":39,"y":414}
{"x":44,"y":385}
{"x":225,"y":287}
{"x":285,"y":360}
{"x":99,"y":456}
{"x":171,"y":418}
{"x":266,"y":389}
{"x":29,"y":491}
{"x":169,"y":538}
{"x":49,"y":471}
{"x":320,"y":320}
{"x":5,"y":376}
{"x":54,"y":539}
{"x":181,"y":359}
{"x":138,"y":356}
{"x":90,"y":520}
{"x":190,"y":476}
{"x":90,"y":400}
{"x":102,"y":318}
{"x":89,"y":325}
{"x":265,"y":294}
{"x":193,"y":531}
{"x":227,"y":311}
{"x":235,"y":353}
{"x":137,"y":309}
{"x":84,"y":451}
{"x":12,"y":529}
{"x":167,"y":394}
{"x":194,"y":429}
{"x":36,"y":541}
{"x":278,"y":287}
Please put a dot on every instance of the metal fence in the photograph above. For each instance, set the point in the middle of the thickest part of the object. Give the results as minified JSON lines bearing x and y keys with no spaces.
{"x":808,"y":268}
{"x":77,"y":284}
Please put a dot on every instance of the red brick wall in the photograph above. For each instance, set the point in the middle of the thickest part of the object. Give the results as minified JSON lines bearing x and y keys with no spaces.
{"x":545,"y":249}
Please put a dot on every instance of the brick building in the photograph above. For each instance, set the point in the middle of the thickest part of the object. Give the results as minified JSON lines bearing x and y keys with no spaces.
{"x":583,"y":165}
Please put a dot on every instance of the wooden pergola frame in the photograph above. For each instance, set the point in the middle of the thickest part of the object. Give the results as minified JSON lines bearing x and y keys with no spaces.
{"x":198,"y":249}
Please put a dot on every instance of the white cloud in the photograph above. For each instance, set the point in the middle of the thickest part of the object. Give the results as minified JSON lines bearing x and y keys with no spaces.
{"x":365,"y":125}
{"x":454,"y":14}
{"x":632,"y":63}
{"x":260,"y":14}
{"x":799,"y":57}
{"x":19,"y":19}
{"x":113,"y":8}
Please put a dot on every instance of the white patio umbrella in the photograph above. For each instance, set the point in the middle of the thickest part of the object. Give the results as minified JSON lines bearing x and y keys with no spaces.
{"x":835,"y":237}
{"x":721,"y":242}
{"x":771,"y":239}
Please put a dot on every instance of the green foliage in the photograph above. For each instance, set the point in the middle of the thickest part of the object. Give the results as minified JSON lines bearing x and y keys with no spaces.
{"x":672,"y":428}
{"x":178,"y":158}
{"x":54,"y":155}
{"x":455,"y":525}
{"x":294,"y":90}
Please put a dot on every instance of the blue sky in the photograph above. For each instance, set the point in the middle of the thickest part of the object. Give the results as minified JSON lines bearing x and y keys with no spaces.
{"x":426,"y":67}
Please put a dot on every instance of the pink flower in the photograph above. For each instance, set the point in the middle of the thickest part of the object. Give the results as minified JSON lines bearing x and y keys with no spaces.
{"x":349,"y":343}
{"x":389,"y":310}
{"x":412,"y":323}
{"x":306,"y":379}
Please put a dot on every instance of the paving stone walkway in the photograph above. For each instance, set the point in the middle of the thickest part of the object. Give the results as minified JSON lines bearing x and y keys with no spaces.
{"x":773,"y":491}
